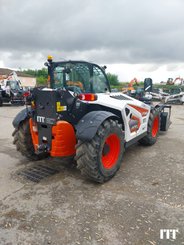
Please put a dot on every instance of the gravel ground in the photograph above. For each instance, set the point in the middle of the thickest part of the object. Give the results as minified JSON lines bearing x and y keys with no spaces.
{"x":146,"y":195}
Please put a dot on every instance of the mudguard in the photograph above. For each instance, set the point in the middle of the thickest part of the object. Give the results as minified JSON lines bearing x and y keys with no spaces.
{"x":165,"y":121}
{"x":21,"y":116}
{"x":89,"y":124}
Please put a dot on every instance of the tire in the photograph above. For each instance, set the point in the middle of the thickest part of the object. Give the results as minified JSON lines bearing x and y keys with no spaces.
{"x":1,"y":102}
{"x":153,"y":129}
{"x":100,"y":158}
{"x":23,"y":142}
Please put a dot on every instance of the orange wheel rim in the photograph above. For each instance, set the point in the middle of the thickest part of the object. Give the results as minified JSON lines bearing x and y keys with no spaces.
{"x":111,"y":151}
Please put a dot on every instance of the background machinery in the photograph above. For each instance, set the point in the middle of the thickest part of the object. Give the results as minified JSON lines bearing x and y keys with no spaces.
{"x":178,"y":80}
{"x":79,"y":116}
{"x":176,"y":96}
{"x":130,"y":90}
{"x":11,"y":90}
{"x":137,"y":92}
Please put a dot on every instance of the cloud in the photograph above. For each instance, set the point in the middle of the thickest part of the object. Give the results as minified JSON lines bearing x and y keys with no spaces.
{"x":104,"y":31}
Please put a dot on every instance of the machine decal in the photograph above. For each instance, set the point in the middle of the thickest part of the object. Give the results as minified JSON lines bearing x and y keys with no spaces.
{"x":46,"y":120}
{"x":59,"y":107}
{"x":143,"y":111}
{"x":51,"y":121}
{"x":40,"y":119}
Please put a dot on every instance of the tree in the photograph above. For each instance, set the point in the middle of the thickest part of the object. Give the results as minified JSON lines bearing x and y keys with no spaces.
{"x":41,"y":80}
{"x":113,"y":79}
{"x":41,"y":75}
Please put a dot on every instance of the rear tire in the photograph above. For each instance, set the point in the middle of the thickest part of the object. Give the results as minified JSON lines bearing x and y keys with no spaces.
{"x":153,"y":129}
{"x":23,"y":142}
{"x":100,"y":158}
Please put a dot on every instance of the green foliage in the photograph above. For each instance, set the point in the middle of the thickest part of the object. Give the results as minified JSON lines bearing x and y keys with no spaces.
{"x":41,"y":75}
{"x":118,"y":87}
{"x":41,"y":80}
{"x":166,"y":86}
{"x":113,"y":79}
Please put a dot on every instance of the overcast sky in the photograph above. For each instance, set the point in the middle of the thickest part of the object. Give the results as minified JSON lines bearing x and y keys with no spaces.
{"x":133,"y":37}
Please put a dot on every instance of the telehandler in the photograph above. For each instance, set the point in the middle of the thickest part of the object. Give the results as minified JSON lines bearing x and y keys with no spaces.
{"x":78,"y":115}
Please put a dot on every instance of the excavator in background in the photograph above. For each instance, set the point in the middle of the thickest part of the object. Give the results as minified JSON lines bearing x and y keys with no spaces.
{"x":139,"y":93}
{"x":130,"y":90}
{"x":171,"y":81}
{"x":134,"y":81}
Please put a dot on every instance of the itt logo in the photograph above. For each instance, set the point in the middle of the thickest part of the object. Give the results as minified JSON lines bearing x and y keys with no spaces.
{"x":168,"y":233}
{"x":40,"y":119}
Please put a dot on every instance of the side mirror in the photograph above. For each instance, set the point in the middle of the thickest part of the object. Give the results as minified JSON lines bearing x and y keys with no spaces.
{"x":104,"y":67}
{"x":148,"y":84}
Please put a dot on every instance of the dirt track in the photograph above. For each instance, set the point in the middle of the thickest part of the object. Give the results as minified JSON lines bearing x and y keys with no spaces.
{"x":145,"y":196}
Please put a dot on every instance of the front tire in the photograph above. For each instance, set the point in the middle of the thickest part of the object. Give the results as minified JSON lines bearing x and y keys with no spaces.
{"x":23,"y":142}
{"x":100,"y":158}
{"x":153,"y":129}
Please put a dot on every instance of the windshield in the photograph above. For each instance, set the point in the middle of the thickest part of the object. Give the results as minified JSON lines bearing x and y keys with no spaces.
{"x":80,"y":77}
{"x":15,"y":85}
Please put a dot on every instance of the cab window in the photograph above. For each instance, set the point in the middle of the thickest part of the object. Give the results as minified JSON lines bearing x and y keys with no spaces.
{"x":100,"y":84}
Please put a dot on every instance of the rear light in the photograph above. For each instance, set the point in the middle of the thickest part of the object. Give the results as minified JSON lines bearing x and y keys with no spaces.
{"x":88,"y":97}
{"x":26,"y":94}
